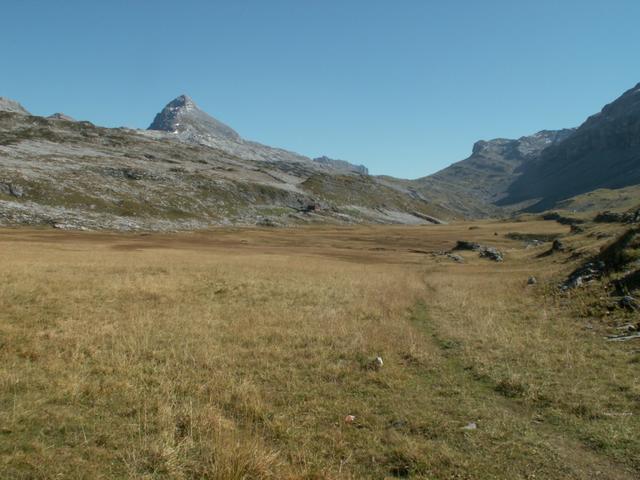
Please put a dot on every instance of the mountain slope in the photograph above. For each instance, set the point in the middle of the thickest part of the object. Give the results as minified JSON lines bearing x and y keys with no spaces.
{"x":77,"y":175}
{"x":341,"y":165}
{"x":182,"y":116}
{"x":182,"y":119}
{"x":8,"y":105}
{"x":492,"y":165}
{"x":472,"y":186}
{"x":604,"y":152}
{"x":545,"y":170}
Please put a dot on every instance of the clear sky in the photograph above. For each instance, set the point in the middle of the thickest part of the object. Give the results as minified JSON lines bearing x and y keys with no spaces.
{"x":402,"y":86}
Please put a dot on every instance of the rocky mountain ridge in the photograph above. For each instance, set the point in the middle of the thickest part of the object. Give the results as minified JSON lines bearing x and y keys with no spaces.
{"x":490,"y":168}
{"x":547,"y":169}
{"x":189,"y":170}
{"x":604,"y":152}
{"x":61,"y":116}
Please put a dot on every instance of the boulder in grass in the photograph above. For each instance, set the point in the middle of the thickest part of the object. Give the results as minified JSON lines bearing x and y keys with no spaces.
{"x":491,"y":253}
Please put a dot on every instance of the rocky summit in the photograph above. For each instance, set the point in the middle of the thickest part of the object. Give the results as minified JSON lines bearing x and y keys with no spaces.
{"x":182,"y":120}
{"x":183,"y":117}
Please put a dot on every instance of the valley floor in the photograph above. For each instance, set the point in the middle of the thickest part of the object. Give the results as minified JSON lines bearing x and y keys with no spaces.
{"x":239,"y":353}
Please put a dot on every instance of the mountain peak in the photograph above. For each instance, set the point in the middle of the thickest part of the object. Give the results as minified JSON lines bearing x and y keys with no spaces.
{"x":184,"y":99}
{"x":182,"y":116}
{"x":8,"y":105}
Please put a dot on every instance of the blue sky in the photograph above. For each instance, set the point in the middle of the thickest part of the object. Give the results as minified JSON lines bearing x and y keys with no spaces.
{"x":404,"y":87}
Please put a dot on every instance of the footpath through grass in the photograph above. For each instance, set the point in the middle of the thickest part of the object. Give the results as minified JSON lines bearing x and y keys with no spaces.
{"x":157,"y":358}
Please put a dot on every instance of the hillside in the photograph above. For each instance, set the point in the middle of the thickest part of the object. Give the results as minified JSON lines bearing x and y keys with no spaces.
{"x":473,"y":186}
{"x":189,"y":170}
{"x":55,"y":171}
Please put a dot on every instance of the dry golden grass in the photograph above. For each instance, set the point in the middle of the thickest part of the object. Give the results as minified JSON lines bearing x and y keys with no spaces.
{"x":236,"y":354}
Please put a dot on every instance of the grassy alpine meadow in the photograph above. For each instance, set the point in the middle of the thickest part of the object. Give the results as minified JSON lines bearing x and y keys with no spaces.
{"x":250,"y":354}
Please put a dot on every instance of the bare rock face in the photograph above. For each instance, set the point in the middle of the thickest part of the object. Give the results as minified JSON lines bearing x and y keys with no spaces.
{"x":8,"y":105}
{"x":183,"y":120}
{"x":182,"y":116}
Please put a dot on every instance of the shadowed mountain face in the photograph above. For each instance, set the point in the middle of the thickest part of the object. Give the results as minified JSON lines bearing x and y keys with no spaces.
{"x":604,"y":152}
{"x":537,"y":172}
{"x":493,"y":164}
{"x":473,"y":186}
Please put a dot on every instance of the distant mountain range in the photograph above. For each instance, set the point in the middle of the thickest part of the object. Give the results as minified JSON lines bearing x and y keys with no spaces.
{"x":189,"y":170}
{"x":538,"y":172}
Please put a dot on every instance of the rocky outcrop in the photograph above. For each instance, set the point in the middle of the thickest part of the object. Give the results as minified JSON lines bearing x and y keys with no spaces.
{"x":11,"y":189}
{"x":616,"y":217}
{"x":616,"y":257}
{"x":584,"y":274}
{"x":484,"y":251}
